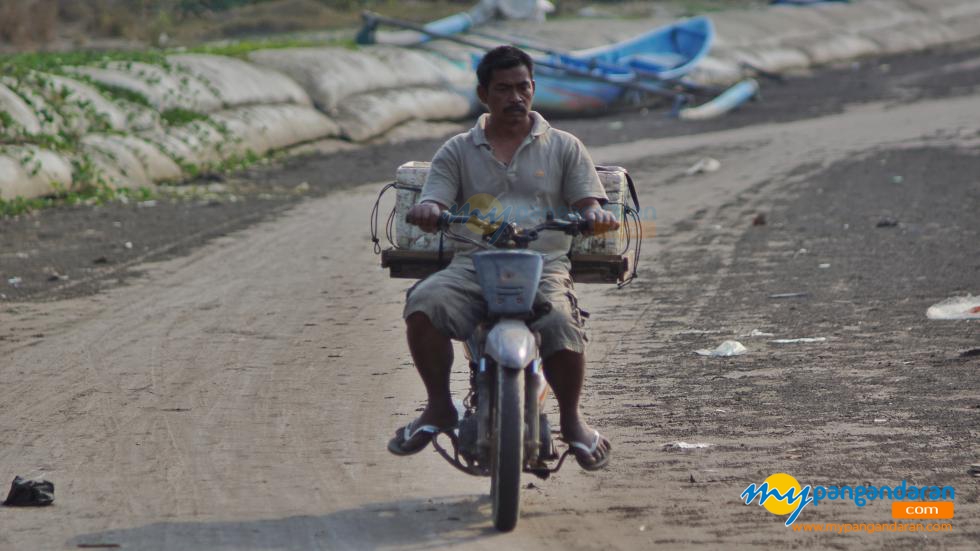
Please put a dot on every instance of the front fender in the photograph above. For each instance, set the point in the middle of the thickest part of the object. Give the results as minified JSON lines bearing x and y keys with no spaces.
{"x":511,"y":344}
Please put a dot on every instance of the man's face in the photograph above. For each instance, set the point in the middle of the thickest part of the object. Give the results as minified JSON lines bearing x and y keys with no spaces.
{"x":509,"y":95}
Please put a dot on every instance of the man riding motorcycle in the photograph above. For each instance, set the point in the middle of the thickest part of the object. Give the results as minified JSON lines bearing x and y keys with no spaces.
{"x":513,"y":160}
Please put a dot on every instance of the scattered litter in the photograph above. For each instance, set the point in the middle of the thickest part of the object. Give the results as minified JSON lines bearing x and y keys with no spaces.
{"x":725,"y":349}
{"x":530,"y":486}
{"x":790,"y":295}
{"x":674,"y":446}
{"x":974,"y":470}
{"x":897,"y":179}
{"x":886,"y":222}
{"x":799,"y":341}
{"x":117,"y":224}
{"x":691,"y":480}
{"x":881,"y":420}
{"x":616,"y":125}
{"x":847,"y":226}
{"x":302,"y":188}
{"x":970,"y":353}
{"x":29,"y":493}
{"x":757,"y":333}
{"x":643,"y":528}
{"x":147,"y":204}
{"x":23,"y":255}
{"x":759,"y":220}
{"x":128,"y":244}
{"x":55,"y":276}
{"x":799,"y":252}
{"x":955,"y":308}
{"x":707,"y":164}
{"x":15,"y":282}
{"x":101,"y":260}
{"x":824,"y":266}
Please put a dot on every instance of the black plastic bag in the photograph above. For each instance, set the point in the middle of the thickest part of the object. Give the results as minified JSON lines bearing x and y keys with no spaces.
{"x":30,"y":493}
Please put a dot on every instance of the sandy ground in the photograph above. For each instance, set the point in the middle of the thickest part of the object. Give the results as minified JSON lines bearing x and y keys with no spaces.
{"x":240,"y":396}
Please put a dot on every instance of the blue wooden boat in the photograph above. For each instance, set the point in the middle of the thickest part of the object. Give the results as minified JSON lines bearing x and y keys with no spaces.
{"x":666,"y":53}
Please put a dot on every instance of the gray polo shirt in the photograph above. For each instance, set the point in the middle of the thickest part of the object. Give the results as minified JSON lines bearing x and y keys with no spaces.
{"x":550,"y":171}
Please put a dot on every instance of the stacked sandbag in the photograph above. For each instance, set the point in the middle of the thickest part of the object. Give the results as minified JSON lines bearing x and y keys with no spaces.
{"x":30,"y":171}
{"x":368,"y":115}
{"x":372,"y":89}
{"x":237,"y":82}
{"x":164,"y":86}
{"x":22,"y":117}
{"x":259,"y":129}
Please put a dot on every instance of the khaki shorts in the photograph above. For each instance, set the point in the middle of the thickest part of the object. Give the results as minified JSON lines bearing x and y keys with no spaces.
{"x":453,"y":301}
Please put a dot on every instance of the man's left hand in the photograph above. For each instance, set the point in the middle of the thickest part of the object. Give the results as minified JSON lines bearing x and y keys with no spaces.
{"x":600,"y":220}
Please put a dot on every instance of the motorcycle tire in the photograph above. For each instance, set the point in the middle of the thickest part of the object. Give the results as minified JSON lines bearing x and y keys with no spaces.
{"x":507,"y":458}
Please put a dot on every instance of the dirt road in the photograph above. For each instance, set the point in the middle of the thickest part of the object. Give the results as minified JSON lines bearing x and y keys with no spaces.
{"x":240,"y":397}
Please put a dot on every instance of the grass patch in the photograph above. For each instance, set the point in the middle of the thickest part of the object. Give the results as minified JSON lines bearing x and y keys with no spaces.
{"x":178,"y":116}
{"x":90,"y":195}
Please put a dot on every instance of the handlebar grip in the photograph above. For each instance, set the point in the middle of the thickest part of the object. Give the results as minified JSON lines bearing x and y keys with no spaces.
{"x":445,"y":219}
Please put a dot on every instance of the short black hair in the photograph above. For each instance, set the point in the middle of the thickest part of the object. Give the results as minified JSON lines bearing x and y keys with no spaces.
{"x":502,"y":57}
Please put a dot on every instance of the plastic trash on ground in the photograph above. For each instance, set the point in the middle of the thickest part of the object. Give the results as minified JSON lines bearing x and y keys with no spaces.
{"x":799,"y":341}
{"x":706,"y":164}
{"x":956,"y":308}
{"x":29,"y":493}
{"x":725,"y":349}
{"x":674,"y":446}
{"x":758,"y":333}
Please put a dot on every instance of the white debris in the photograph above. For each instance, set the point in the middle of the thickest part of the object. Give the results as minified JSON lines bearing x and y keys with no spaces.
{"x":15,"y":281}
{"x":672,"y":446}
{"x":955,"y":308}
{"x":798,"y":341}
{"x":707,"y":164}
{"x":824,"y":266}
{"x":725,"y":349}
{"x":758,"y":333}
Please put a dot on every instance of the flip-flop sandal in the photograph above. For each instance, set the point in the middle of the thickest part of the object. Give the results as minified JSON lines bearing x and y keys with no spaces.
{"x":401,"y":443}
{"x":587,"y":452}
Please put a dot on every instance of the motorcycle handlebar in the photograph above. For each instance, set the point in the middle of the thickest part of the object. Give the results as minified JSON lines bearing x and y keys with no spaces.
{"x":574,"y":224}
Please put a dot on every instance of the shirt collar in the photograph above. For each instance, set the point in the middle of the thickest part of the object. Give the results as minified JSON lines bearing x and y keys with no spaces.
{"x":479,"y":137}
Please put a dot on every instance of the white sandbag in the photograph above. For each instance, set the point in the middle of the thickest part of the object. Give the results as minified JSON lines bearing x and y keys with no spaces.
{"x":207,"y":144}
{"x":164,"y":89}
{"x":120,"y":167}
{"x":862,"y":16}
{"x":18,"y":110}
{"x":416,"y":68}
{"x":263,"y":128}
{"x":197,"y":143}
{"x":328,"y":74}
{"x":29,"y":171}
{"x":241,"y":83}
{"x":714,"y":70}
{"x":911,"y":37}
{"x":366,"y":115}
{"x":157,"y":165}
{"x":774,"y":59}
{"x":81,"y":102}
{"x":829,"y":49}
{"x":49,"y":119}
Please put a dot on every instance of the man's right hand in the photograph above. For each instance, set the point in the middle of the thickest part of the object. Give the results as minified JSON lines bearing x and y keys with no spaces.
{"x":425,"y":216}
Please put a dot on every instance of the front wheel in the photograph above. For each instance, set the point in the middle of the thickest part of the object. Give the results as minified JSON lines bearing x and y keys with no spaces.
{"x":507,"y":459}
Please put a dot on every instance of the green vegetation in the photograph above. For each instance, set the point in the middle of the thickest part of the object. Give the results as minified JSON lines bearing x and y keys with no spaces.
{"x":90,"y":195}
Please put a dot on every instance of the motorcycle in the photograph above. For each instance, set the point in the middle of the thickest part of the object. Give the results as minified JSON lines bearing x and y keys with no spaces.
{"x":502,"y":431}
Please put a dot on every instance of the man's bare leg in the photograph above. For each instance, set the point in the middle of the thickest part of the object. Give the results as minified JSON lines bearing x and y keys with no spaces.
{"x":433,"y":355}
{"x":565,"y":372}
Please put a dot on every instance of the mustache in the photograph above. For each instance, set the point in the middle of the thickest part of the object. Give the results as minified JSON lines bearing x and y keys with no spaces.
{"x":516,"y":108}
